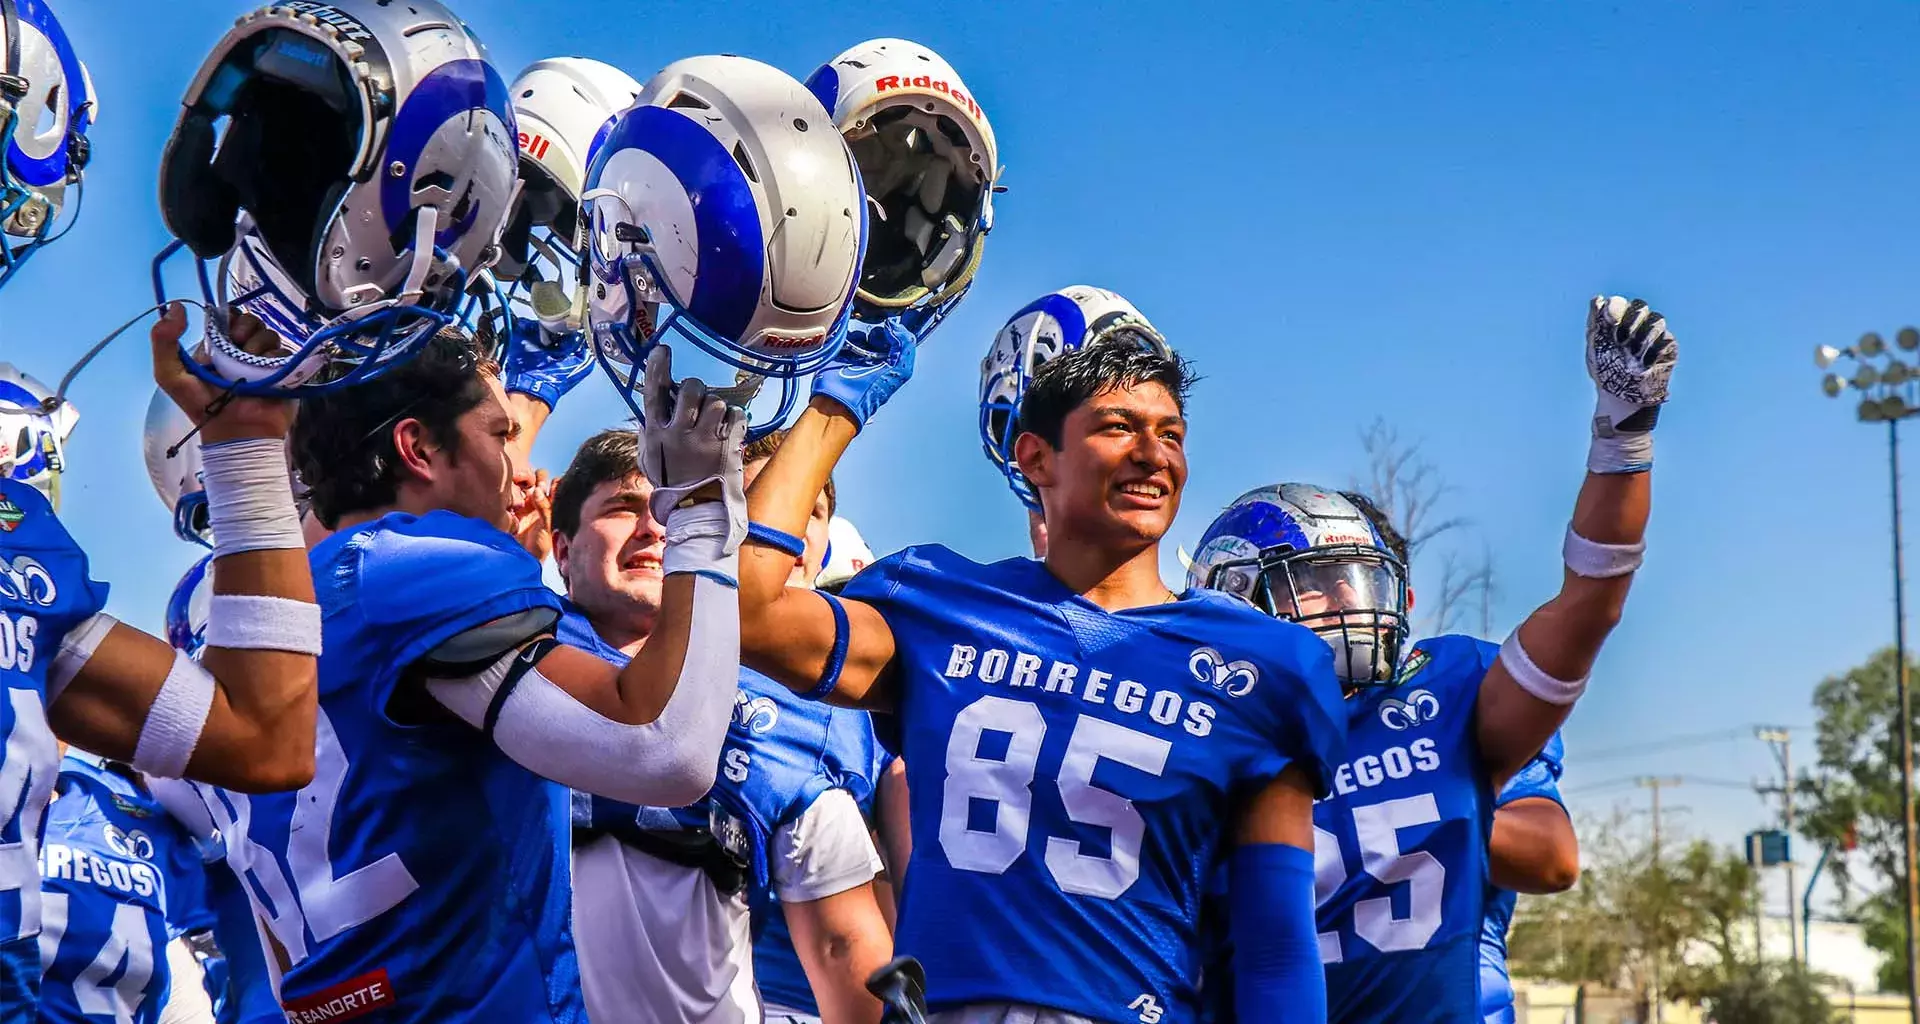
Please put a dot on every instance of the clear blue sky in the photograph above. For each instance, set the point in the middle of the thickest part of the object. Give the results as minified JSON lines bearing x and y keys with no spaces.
{"x":1339,"y":211}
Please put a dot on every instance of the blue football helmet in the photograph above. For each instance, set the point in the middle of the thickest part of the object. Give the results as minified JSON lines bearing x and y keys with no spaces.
{"x":33,"y":440}
{"x":723,"y":209}
{"x":1063,"y":321}
{"x":46,"y":106}
{"x":189,"y":607}
{"x":366,"y":168}
{"x":1309,"y":555}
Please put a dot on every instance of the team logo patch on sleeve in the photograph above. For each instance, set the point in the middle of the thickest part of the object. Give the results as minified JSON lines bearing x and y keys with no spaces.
{"x":10,"y":516}
{"x":355,"y":997}
{"x":1416,"y":661}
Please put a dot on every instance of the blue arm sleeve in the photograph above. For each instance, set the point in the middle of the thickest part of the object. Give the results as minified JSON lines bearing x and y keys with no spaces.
{"x":1277,"y":973}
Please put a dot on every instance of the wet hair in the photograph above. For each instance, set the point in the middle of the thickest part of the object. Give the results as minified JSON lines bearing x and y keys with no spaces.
{"x":762,"y":449}
{"x":342,"y":441}
{"x":1396,"y":545}
{"x":1075,"y":378}
{"x":610,"y":456}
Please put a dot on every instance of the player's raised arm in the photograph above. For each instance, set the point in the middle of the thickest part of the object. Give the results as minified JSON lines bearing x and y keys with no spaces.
{"x":242,"y":717}
{"x":1543,"y":667}
{"x":810,"y":641}
{"x":652,"y":731}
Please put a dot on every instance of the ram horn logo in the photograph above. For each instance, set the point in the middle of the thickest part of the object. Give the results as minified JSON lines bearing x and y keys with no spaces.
{"x":757,"y":715}
{"x":1400,"y":715}
{"x":27,"y":580}
{"x":1209,"y":666}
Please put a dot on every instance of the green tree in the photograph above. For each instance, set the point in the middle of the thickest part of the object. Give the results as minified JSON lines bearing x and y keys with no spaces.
{"x":1641,"y":917}
{"x":1771,"y":993}
{"x":1852,"y":793}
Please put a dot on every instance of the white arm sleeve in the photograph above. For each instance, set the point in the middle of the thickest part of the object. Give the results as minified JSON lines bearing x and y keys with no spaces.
{"x":669,"y":762}
{"x":824,"y":852}
{"x":187,"y":1001}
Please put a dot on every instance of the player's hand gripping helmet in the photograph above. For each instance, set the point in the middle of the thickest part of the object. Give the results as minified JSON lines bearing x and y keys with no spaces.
{"x":723,"y":209}
{"x":172,"y":450}
{"x":46,"y":106}
{"x":1063,"y":321}
{"x":366,"y":168}
{"x":32,"y":440}
{"x":927,"y":155}
{"x":1309,"y":555}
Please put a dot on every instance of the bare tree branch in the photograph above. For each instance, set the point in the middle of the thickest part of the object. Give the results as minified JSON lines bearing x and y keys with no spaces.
{"x":1405,"y":485}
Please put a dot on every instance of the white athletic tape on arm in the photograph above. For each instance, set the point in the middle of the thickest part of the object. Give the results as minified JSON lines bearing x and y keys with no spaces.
{"x":697,"y":543}
{"x":176,"y":719}
{"x":1532,"y":679}
{"x":249,"y":497}
{"x":76,"y":649}
{"x":669,"y":762}
{"x":1594,"y":560}
{"x":253,"y":622}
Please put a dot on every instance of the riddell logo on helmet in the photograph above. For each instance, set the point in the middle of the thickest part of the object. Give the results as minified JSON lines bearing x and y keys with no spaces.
{"x":928,"y":82}
{"x":801,"y":342}
{"x":331,"y":15}
{"x":535,"y":145}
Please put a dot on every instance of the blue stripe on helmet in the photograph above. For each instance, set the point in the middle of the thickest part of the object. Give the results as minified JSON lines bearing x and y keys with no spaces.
{"x":1065,"y":312}
{"x":180,"y":628}
{"x":732,"y":253}
{"x":52,"y":168}
{"x":1260,"y":523}
{"x":824,"y":84}
{"x":449,"y":90}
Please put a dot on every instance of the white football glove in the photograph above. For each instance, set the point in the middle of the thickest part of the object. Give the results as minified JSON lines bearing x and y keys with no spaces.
{"x":690,"y":439}
{"x":1630,"y":356}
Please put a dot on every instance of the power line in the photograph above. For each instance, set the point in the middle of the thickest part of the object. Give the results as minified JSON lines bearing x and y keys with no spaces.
{"x":1697,"y":739}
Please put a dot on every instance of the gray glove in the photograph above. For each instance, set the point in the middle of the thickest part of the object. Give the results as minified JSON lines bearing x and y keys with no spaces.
{"x":691,"y":438}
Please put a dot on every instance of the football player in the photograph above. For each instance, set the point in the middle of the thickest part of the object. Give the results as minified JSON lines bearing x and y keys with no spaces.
{"x":1401,"y":845}
{"x":1533,"y":848}
{"x":1080,"y":741}
{"x":661,"y":914}
{"x":120,"y":878}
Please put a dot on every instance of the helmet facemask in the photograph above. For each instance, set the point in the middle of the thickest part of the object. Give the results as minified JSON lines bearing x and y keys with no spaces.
{"x":1354,"y":596}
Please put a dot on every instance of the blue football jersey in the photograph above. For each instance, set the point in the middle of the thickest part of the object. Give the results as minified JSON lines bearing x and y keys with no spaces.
{"x":1073,"y":774}
{"x":117,"y":872}
{"x":1400,"y":847}
{"x":1539,"y":779}
{"x":851,"y":759}
{"x":422,"y":875}
{"x":44,"y":593}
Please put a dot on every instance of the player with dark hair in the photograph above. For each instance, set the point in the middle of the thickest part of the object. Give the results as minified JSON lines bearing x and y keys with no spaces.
{"x":1081,"y":742}
{"x":424,"y":871}
{"x":663,"y":893}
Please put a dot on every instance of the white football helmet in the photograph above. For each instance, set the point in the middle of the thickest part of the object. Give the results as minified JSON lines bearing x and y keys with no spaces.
{"x":928,"y":158}
{"x":46,"y":106}
{"x":189,"y":607}
{"x":367,"y":165}
{"x":172,"y":450}
{"x":1310,"y":555}
{"x":1063,"y":321}
{"x":32,"y":440}
{"x":847,"y":555}
{"x":724,"y":209}
{"x":564,"y":106}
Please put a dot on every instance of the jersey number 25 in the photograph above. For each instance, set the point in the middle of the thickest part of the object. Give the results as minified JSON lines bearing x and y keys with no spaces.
{"x":1377,"y":827}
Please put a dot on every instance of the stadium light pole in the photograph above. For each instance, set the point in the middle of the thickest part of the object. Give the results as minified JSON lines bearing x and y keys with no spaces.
{"x":1888,"y":389}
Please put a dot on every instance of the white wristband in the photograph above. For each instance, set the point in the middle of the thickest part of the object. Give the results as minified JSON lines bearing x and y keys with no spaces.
{"x":1532,"y":679}
{"x":252,"y":622}
{"x":249,"y":497}
{"x":1594,"y":560}
{"x":697,"y":543}
{"x":176,"y":719}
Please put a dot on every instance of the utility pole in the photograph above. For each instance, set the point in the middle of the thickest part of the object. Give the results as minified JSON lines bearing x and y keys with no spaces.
{"x":1656,"y":784}
{"x":1781,"y":740}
